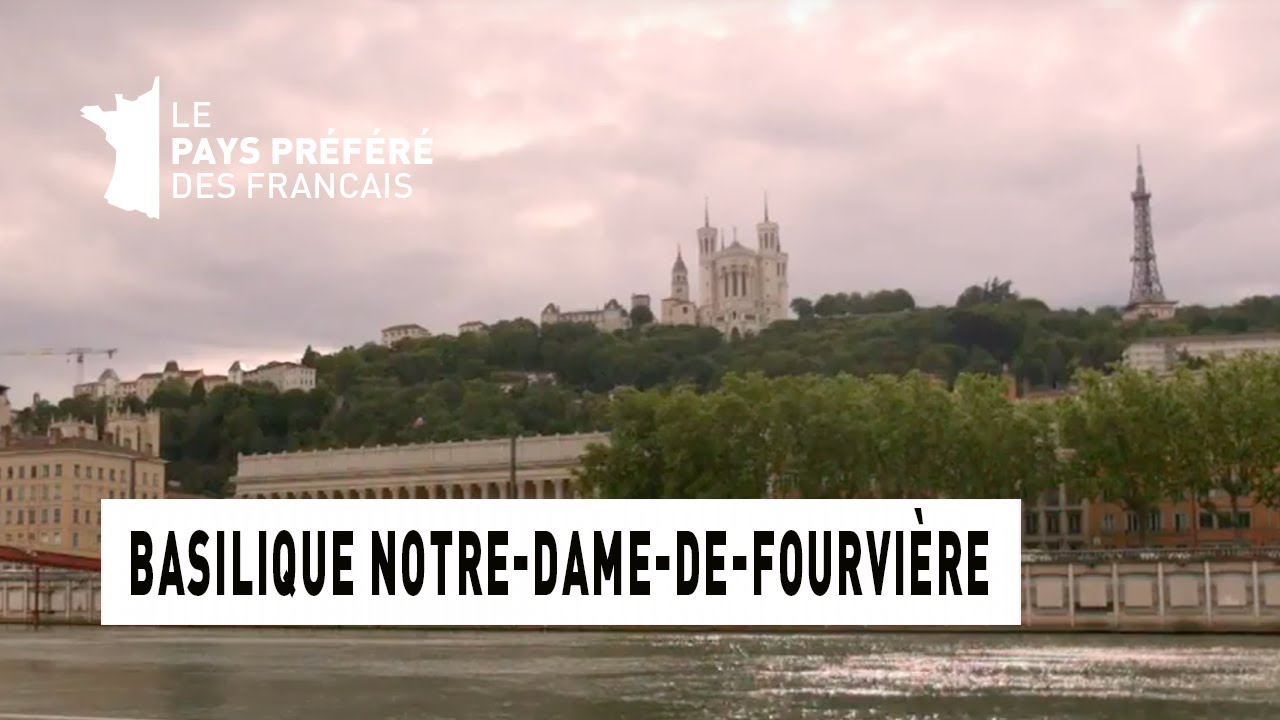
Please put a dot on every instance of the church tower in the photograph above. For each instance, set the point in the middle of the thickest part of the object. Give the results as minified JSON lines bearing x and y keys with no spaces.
{"x":679,"y":279}
{"x":707,"y":250}
{"x":706,"y":234}
{"x":773,"y":269}
{"x":767,"y":232}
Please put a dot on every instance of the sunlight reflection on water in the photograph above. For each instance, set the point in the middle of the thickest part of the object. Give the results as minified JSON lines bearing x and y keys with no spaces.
{"x":211,"y":675}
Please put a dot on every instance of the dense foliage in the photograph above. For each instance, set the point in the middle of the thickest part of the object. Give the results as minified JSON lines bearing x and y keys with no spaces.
{"x":1129,"y":437}
{"x":519,"y":378}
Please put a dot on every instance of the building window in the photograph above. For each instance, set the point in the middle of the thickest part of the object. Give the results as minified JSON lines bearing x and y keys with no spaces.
{"x":75,"y":540}
{"x":1155,"y":520}
{"x":44,"y":471}
{"x":44,"y":516}
{"x":1243,"y":519}
{"x":75,"y":470}
{"x":75,"y":515}
{"x":1206,"y":521}
{"x":1053,"y":523}
{"x":1180,"y":522}
{"x":57,"y":515}
{"x":112,"y":475}
{"x":1131,"y":522}
{"x":57,"y":470}
{"x":1074,"y":523}
{"x":1032,"y":523}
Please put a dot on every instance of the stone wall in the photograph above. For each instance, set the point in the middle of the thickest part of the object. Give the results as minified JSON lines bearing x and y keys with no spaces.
{"x":1215,"y":595}
{"x":64,"y":597}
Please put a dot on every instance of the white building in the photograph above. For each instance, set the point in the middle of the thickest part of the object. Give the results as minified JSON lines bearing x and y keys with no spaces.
{"x":285,"y":376}
{"x":607,"y":319}
{"x":474,"y":326}
{"x":741,"y":291}
{"x":1162,"y":354}
{"x":541,"y":467}
{"x":396,"y":333}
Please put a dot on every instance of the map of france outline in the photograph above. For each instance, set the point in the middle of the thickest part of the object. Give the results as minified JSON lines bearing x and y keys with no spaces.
{"x":133,"y":130}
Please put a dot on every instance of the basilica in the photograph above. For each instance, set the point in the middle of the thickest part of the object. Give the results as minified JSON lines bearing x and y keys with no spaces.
{"x":740,"y":290}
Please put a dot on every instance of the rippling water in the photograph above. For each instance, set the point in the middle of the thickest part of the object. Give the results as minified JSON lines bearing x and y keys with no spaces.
{"x":363,"y":675}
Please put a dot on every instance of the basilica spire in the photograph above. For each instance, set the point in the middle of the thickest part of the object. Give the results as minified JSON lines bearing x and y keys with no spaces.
{"x":706,"y":212}
{"x":766,"y":206}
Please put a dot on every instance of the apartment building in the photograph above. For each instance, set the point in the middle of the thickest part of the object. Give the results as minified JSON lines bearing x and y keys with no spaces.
{"x":1185,"y":523}
{"x":285,"y":376}
{"x":51,"y":486}
{"x":410,"y":331}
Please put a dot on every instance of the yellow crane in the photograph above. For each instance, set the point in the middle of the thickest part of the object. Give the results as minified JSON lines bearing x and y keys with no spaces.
{"x":76,"y":353}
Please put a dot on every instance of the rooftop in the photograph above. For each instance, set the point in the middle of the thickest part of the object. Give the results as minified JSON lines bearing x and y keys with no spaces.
{"x":47,"y":444}
{"x":1167,"y":339}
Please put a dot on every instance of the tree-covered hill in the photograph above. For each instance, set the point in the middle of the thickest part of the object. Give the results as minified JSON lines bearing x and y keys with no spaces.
{"x":519,"y":378}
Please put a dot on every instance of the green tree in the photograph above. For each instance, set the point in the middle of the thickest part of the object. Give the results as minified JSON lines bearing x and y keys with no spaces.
{"x":1236,"y":404}
{"x":1127,"y":435}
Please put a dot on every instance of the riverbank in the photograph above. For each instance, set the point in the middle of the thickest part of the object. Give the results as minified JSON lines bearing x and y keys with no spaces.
{"x":1181,"y":628}
{"x":1214,"y":596}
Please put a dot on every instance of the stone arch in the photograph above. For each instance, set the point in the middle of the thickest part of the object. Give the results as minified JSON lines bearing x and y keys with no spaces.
{"x":528,"y":489}
{"x":548,"y":488}
{"x":493,"y":490}
{"x":370,"y":494}
{"x":439,"y":492}
{"x":353,"y":494}
{"x":306,"y":495}
{"x":420,"y":492}
{"x":290,"y":496}
{"x":475,"y":491}
{"x":322,"y":495}
{"x":403,"y":493}
{"x":387,"y":494}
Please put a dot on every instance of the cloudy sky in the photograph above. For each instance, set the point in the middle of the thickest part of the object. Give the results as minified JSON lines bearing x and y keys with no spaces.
{"x":924,"y":146}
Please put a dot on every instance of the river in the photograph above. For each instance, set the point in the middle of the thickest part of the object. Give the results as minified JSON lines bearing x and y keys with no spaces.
{"x":100,"y":673}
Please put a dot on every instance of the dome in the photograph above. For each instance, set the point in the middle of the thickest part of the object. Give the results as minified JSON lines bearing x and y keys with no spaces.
{"x":171,"y":366}
{"x":679,"y":266}
{"x":108,"y":374}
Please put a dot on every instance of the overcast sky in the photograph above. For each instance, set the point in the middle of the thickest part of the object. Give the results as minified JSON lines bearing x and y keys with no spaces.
{"x":921,"y":146}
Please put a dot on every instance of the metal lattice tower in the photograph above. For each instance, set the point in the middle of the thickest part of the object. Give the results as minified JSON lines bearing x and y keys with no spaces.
{"x":1146,"y":286}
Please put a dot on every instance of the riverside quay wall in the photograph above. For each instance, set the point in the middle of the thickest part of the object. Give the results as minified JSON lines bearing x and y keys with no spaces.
{"x":1221,"y":590}
{"x":1213,"y":591}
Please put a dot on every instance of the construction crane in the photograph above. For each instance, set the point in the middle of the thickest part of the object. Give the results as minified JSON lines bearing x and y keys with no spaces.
{"x":77,"y":353}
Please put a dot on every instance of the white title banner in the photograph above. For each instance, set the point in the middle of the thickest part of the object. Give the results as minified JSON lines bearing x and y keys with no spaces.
{"x":721,"y":563}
